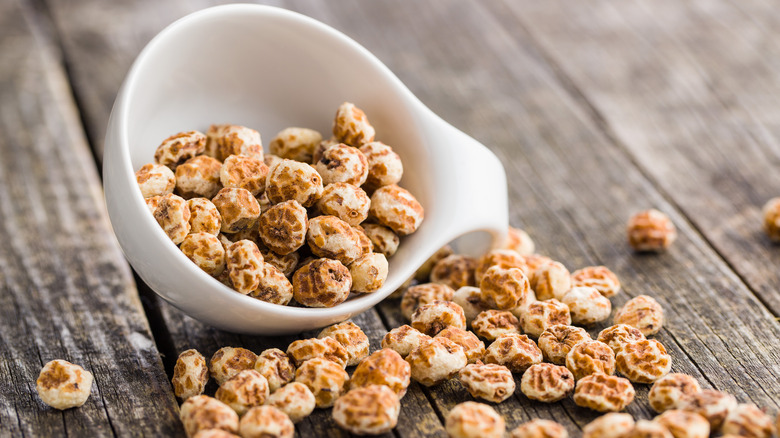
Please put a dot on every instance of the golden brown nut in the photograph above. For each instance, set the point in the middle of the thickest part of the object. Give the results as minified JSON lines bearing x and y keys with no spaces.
{"x":551,"y":280}
{"x":173,"y":215}
{"x":547,"y":383}
{"x":404,"y":339}
{"x":331,"y":237}
{"x":612,"y":425}
{"x":505,"y":289}
{"x":63,"y":385}
{"x":538,"y":315}
{"x":180,"y":147}
{"x":642,"y":312}
{"x":321,"y":283}
{"x":423,"y":294}
{"x":470,"y":299}
{"x":202,"y":412}
{"x":504,"y":258}
{"x":345,"y":201}
{"x":304,"y":349}
{"x":238,"y":208}
{"x":603,"y":393}
{"x":519,"y":241}
{"x":369,"y":410}
{"x":590,"y":357}
{"x":397,"y":209}
{"x":749,"y":421}
{"x":198,"y":176}
{"x":204,"y":216}
{"x":619,"y":335}
{"x":539,"y":429}
{"x":342,"y":164}
{"x":438,"y":315}
{"x":516,"y":352}
{"x":643,"y":361}
{"x":190,"y":374}
{"x":284,"y":263}
{"x":326,"y":380}
{"x":684,"y":424}
{"x":383,"y":239}
{"x":557,"y":341}
{"x":771,"y":213}
{"x":424,"y":272}
{"x":710,"y":404}
{"x":650,"y":230}
{"x":384,"y":165}
{"x":351,"y":337}
{"x":383,"y":367}
{"x":244,"y":172}
{"x":245,"y":265}
{"x":474,"y":420}
{"x":649,"y":429}
{"x":295,"y":143}
{"x":369,"y":272}
{"x":236,"y":140}
{"x":155,"y":180}
{"x":455,"y":271}
{"x":668,"y":391}
{"x":351,"y":126}
{"x":534,"y":262}
{"x":587,"y":305}
{"x":274,"y":287}
{"x":491,"y":324}
{"x":243,"y":391}
{"x":598,"y":277}
{"x":294,"y":399}
{"x":472,"y":346}
{"x":292,"y":180}
{"x":276,"y":366}
{"x":491,"y":382}
{"x":436,"y":360}
{"x":206,"y":251}
{"x":266,"y":422}
{"x":283,"y":227}
{"x":229,"y":361}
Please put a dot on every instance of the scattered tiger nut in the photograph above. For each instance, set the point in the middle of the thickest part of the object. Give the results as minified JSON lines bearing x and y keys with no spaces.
{"x":491,"y":324}
{"x":295,"y":143}
{"x":557,"y":341}
{"x":587,"y":305}
{"x":229,"y":361}
{"x":771,"y":213}
{"x":470,"y":299}
{"x":155,"y":180}
{"x":643,"y":361}
{"x":204,"y":216}
{"x":551,"y":280}
{"x":214,"y":433}
{"x":179,"y":147}
{"x":294,"y":399}
{"x":650,"y":231}
{"x":345,"y":201}
{"x":397,"y":209}
{"x":276,"y":366}
{"x":245,"y":265}
{"x":202,"y":412}
{"x":474,"y":420}
{"x":472,"y":346}
{"x":190,"y":374}
{"x":284,"y":263}
{"x":384,"y":165}
{"x":342,"y":164}
{"x":598,"y":277}
{"x":669,"y":391}
{"x":369,"y":272}
{"x":612,"y":425}
{"x":519,"y":241}
{"x":351,"y":125}
{"x":383,"y":367}
{"x":619,"y":335}
{"x":206,"y":251}
{"x":438,"y":315}
{"x":351,"y":337}
{"x":152,"y":203}
{"x":547,"y":383}
{"x":749,"y":421}
{"x":292,"y":180}
{"x":198,"y":177}
{"x":244,"y":172}
{"x":642,"y":312}
{"x":331,"y":237}
{"x":404,"y":339}
{"x":369,"y":410}
{"x":684,"y":424}
{"x":423,"y":273}
{"x":534,"y":262}
{"x":649,"y":429}
{"x":538,"y":315}
{"x":455,"y":271}
{"x":265,"y":422}
{"x":711,"y":404}
{"x":283,"y":227}
{"x":516,"y":352}
{"x":173,"y":215}
{"x":422,"y":294}
{"x":236,"y":140}
{"x":436,"y":360}
{"x":329,"y":348}
{"x":326,"y":380}
{"x":383,"y":239}
{"x":538,"y":428}
{"x":63,"y":385}
{"x":274,"y":287}
{"x":238,"y":208}
{"x":243,"y":391}
{"x":504,"y":258}
{"x":505,"y":289}
{"x":590,"y":357}
{"x":321,"y":283}
{"x":603,"y":393}
{"x":491,"y":382}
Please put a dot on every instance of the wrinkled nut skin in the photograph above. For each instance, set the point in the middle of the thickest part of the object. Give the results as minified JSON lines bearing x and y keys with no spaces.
{"x":245,"y":265}
{"x":63,"y":385}
{"x":383,"y":239}
{"x":503,"y":258}
{"x":586,"y":305}
{"x":557,"y":341}
{"x":244,"y":172}
{"x":276,"y":367}
{"x":369,"y":273}
{"x":266,"y":422}
{"x":684,"y":424}
{"x":422,"y":294}
{"x":384,"y":165}
{"x":229,"y":361}
{"x":491,"y":382}
{"x":351,"y":126}
{"x":470,"y":299}
{"x":366,"y":246}
{"x":235,"y":140}
{"x":650,"y":231}
{"x":243,"y":391}
{"x":397,"y":209}
{"x":321,"y":148}
{"x":274,"y":287}
{"x":331,"y":237}
{"x":403,"y":340}
{"x":491,"y":324}
{"x":643,"y":361}
{"x":369,"y":410}
{"x":603,"y":393}
{"x":294,"y":399}
{"x":383,"y":367}
{"x":649,"y":429}
{"x":474,"y":420}
{"x":328,"y":348}
{"x":202,"y":412}
{"x":710,"y":404}
{"x":152,"y":203}
{"x":198,"y":176}
{"x":538,"y":315}
{"x":204,"y":216}
{"x":505,"y":289}
{"x":771,"y":213}
{"x":424,"y":272}
{"x":190,"y":374}
{"x":642,"y":312}
{"x":238,"y":208}
{"x":173,"y":215}
{"x":284,"y":263}
{"x":612,"y":425}
{"x":292,"y":180}
{"x":590,"y":357}
{"x":472,"y":346}
{"x":598,"y":277}
{"x":321,"y":283}
{"x":547,"y":383}
{"x":325,"y":379}
{"x":179,"y":148}
{"x":345,"y":201}
{"x":295,"y":144}
{"x":551,"y":280}
{"x":436,"y":360}
{"x":516,"y":352}
{"x":455,"y":271}
{"x":669,"y":391}
{"x":206,"y":251}
{"x":342,"y":164}
{"x":351,"y":337}
{"x":438,"y":315}
{"x":619,"y":335}
{"x":283,"y":227}
{"x":155,"y":180}
{"x":534,"y":262}
{"x":538,"y":428}
{"x":749,"y":421}
{"x":519,"y":241}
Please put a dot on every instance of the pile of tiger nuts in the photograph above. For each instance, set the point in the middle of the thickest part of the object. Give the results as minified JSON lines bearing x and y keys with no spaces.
{"x":309,"y":223}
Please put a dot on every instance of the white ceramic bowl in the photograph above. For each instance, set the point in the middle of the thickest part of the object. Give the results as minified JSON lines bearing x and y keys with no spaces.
{"x":269,"y":68}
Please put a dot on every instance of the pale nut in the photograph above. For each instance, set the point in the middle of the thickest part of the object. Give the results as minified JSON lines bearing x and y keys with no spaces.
{"x":474,"y":420}
{"x":152,"y":203}
{"x":202,"y":412}
{"x":710,"y":404}
{"x":504,"y":258}
{"x":587,"y":305}
{"x":204,"y":216}
{"x":173,"y":215}
{"x":236,"y":140}
{"x":472,"y":346}
{"x":351,"y":337}
{"x":505,"y":289}
{"x":229,"y":361}
{"x":598,"y":277}
{"x":345,"y":201}
{"x":538,"y":428}
{"x":455,"y":271}
{"x":519,"y":241}
{"x":438,"y":315}
{"x":749,"y":421}
{"x":619,"y":335}
{"x":324,"y":378}
{"x":295,"y":144}
{"x":383,"y":239}
{"x":557,"y":341}
{"x":491,"y":382}
{"x":270,"y":160}
{"x":277,"y":368}
{"x":198,"y":177}
{"x":369,"y":272}
{"x":612,"y":425}
{"x":238,"y":208}
{"x":328,"y":348}
{"x":603,"y":393}
{"x":292,"y":180}
{"x":551,"y":280}
{"x":403,"y":340}
{"x":642,"y":312}
{"x":538,"y":315}
{"x":422,"y":294}
{"x":470,"y":299}
{"x":155,"y":180}
{"x":436,"y":360}
{"x":190,"y":374}
{"x":684,"y":424}
{"x":206,"y":251}
{"x":321,"y":283}
{"x":516,"y":352}
{"x":179,"y":148}
{"x":669,"y":391}
{"x":245,"y":265}
{"x":534,"y":262}
{"x":273,"y":287}
{"x":650,"y":231}
{"x":397,"y":209}
{"x":771,"y":213}
{"x":384,"y":165}
{"x":423,"y":273}
{"x":331,"y":237}
{"x":294,"y":399}
{"x":590,"y":357}
{"x":63,"y":385}
{"x":649,"y":429}
{"x":383,"y":367}
{"x":286,"y":264}
{"x":243,"y":391}
{"x":266,"y":422}
{"x":342,"y":164}
{"x":351,"y":126}
{"x":366,"y":246}
{"x":244,"y":172}
{"x":369,"y":410}
{"x":643,"y":361}
{"x":283,"y":227}
{"x":491,"y":324}
{"x":547,"y":383}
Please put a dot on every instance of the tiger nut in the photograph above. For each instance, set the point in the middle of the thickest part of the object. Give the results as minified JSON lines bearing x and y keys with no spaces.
{"x":557,"y":341}
{"x":345,"y":201}
{"x":538,"y":315}
{"x":491,"y":382}
{"x":366,"y":246}
{"x":551,"y":280}
{"x":423,"y":273}
{"x":642,"y":312}
{"x":63,"y":385}
{"x":329,"y":348}
{"x":274,"y":287}
{"x":474,"y":420}
{"x":243,"y":391}
{"x":294,"y":399}
{"x":204,"y":216}
{"x":423,"y":294}
{"x":516,"y":352}
{"x":404,"y":339}
{"x":266,"y":422}
{"x":668,"y":391}
{"x":749,"y":421}
{"x":214,"y":433}
{"x":229,"y":361}
{"x":519,"y":241}
{"x":643,"y":361}
{"x":436,"y":360}
{"x":276,"y":366}
{"x":369,"y":410}
{"x":326,"y":380}
{"x":238,"y":208}
{"x":202,"y":412}
{"x":155,"y":180}
{"x":684,"y":424}
{"x":383,"y":239}
{"x":351,"y":125}
{"x":455,"y":271}
{"x":190,"y":374}
{"x":295,"y":144}
{"x":369,"y":273}
{"x":292,"y":180}
{"x":286,"y":264}
{"x":198,"y":177}
{"x":587,"y":305}
{"x":547,"y":383}
{"x":270,"y":160}
{"x":236,"y":140}
{"x":771,"y":213}
{"x":603,"y":393}
{"x":245,"y":265}
{"x":598,"y":277}
{"x":710,"y":404}
{"x":438,"y":315}
{"x":321,"y":283}
{"x":590,"y":357}
{"x":206,"y":251}
{"x":244,"y":172}
{"x":472,"y":346}
{"x":397,"y":209}
{"x":179,"y":147}
{"x":539,"y":429}
{"x":649,"y":429}
{"x":383,"y":367}
{"x":173,"y":215}
{"x":152,"y":203}
{"x":351,"y":337}
{"x":342,"y":164}
{"x":650,"y":231}
{"x":491,"y":324}
{"x":384,"y":165}
{"x":505,"y":289}
{"x":533,"y":262}
{"x":331,"y":237}
{"x":612,"y":425}
{"x":504,"y":258}
{"x":283,"y":227}
{"x":619,"y":335}
{"x":470,"y":299}
{"x":321,"y":148}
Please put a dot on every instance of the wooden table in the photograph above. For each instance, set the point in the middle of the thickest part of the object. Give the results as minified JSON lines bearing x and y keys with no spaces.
{"x":597,"y":108}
